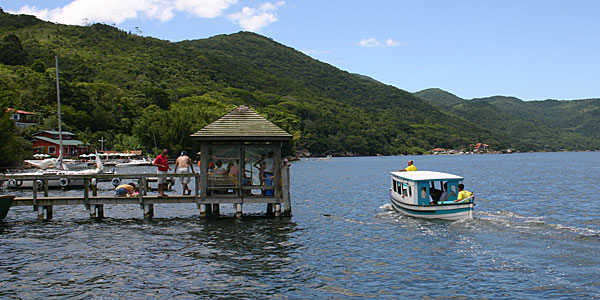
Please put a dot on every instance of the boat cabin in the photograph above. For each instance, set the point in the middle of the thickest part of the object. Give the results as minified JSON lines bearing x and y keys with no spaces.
{"x":425,"y":187}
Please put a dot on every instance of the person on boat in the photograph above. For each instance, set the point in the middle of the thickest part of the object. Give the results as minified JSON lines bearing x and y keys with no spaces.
{"x":410,"y":167}
{"x":444,"y":195}
{"x":462,"y":193}
{"x":183,"y":164}
{"x":162,"y":162}
{"x":125,"y":190}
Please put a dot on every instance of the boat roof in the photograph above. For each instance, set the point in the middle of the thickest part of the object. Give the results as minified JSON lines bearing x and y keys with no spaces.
{"x":426,"y":175}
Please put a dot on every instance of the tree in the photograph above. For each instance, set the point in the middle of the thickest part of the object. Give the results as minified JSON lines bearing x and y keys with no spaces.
{"x":13,"y":148}
{"x":11,"y":51}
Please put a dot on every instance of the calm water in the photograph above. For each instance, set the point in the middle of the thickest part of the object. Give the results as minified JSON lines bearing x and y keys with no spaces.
{"x":536,"y":234}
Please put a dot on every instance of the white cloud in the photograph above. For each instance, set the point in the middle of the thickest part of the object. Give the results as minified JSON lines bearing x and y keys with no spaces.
{"x":370,"y":42}
{"x":373,"y":42}
{"x":117,"y":11}
{"x":205,"y":8}
{"x":391,"y":43}
{"x":253,"y":19}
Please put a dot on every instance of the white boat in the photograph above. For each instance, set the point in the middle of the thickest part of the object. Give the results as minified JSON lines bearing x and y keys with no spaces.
{"x":135,"y":162}
{"x":47,"y":163}
{"x":417,"y":194}
{"x":62,"y":182}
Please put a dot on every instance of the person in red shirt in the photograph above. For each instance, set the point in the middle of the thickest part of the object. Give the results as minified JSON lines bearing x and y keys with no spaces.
{"x":162,"y":163}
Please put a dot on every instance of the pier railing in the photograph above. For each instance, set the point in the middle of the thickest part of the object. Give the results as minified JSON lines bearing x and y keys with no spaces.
{"x":219,"y":190}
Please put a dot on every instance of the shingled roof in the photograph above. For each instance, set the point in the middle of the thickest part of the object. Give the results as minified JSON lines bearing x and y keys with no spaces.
{"x":241,"y":124}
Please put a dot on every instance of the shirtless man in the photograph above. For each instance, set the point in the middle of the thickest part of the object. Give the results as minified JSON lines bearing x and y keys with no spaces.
{"x":184,"y":164}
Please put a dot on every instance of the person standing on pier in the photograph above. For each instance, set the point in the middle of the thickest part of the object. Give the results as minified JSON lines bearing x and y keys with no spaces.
{"x":162,"y":163}
{"x":183,"y":164}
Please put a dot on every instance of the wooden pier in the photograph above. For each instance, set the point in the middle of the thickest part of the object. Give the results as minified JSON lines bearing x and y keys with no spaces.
{"x":43,"y":204}
{"x":246,"y":142}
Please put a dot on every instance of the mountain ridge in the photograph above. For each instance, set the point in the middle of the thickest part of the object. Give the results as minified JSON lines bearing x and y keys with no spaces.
{"x":149,"y":93}
{"x":573,"y":122}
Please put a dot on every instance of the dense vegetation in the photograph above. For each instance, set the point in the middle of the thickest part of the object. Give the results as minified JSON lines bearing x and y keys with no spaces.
{"x":548,"y":125}
{"x":144,"y":93}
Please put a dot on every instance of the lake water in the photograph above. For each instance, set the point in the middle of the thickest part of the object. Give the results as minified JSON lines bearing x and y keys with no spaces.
{"x":536,"y":234}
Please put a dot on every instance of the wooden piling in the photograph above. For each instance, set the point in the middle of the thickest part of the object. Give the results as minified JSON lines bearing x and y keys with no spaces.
{"x":100,"y":212}
{"x":93,"y":212}
{"x":40,"y":212}
{"x":202,"y":208}
{"x":285,"y":180}
{"x":277,"y":209}
{"x":238,"y":210}
{"x":148,"y":211}
{"x":49,"y":214}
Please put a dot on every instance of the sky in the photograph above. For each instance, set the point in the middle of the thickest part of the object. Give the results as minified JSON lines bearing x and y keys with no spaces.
{"x":532,"y":50}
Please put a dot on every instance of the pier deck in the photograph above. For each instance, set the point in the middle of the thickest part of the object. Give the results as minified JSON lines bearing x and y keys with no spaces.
{"x":207,"y":202}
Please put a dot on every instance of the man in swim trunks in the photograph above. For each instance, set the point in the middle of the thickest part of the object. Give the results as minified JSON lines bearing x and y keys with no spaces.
{"x":184,"y":164}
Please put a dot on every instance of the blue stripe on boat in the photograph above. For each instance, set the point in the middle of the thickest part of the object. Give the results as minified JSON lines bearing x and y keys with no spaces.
{"x":432,"y":212}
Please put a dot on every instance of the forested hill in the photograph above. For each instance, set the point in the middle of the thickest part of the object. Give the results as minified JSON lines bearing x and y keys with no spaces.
{"x":145,"y":93}
{"x":550,"y":124}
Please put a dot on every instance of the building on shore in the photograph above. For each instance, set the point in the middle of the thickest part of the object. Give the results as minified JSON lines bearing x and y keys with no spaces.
{"x":23,"y":118}
{"x":47,"y":142}
{"x":439,"y":151}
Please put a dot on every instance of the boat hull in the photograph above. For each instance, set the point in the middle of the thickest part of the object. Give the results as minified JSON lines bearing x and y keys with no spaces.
{"x":28,"y":184}
{"x":457,"y":211}
{"x":5,"y":203}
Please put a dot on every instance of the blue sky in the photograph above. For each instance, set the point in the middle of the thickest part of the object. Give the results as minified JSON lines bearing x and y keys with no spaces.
{"x":533,"y":50}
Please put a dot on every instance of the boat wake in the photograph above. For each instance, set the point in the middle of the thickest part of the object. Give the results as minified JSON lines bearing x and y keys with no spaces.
{"x":502,"y":220}
{"x":538,"y":224}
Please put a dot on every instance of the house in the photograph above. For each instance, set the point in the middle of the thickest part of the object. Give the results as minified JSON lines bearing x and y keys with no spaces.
{"x":47,"y":141}
{"x":481,"y":148}
{"x":22,"y":118}
{"x":439,"y":151}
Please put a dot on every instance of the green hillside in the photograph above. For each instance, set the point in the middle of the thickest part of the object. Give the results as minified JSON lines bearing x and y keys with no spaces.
{"x":528,"y":125}
{"x":580,"y":116}
{"x":141,"y":92}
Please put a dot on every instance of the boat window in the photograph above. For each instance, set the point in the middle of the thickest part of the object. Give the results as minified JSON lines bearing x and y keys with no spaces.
{"x":409,"y":191}
{"x":405,"y":189}
{"x":424,"y":192}
{"x":394,"y":185}
{"x":452,"y":190}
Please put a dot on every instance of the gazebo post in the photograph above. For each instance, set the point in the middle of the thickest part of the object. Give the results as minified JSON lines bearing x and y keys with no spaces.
{"x":203,"y":176}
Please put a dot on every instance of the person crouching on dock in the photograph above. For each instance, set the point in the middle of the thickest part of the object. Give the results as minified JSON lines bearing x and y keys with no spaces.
{"x":125,"y":190}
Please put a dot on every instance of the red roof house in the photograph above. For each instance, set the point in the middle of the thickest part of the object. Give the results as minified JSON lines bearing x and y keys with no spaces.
{"x":22,"y":118}
{"x":47,"y":141}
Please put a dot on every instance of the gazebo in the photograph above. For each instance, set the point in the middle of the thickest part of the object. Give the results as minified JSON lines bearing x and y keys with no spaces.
{"x":240,"y":162}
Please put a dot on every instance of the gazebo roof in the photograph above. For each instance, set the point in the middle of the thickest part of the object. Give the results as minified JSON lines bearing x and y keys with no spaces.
{"x":241,"y":124}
